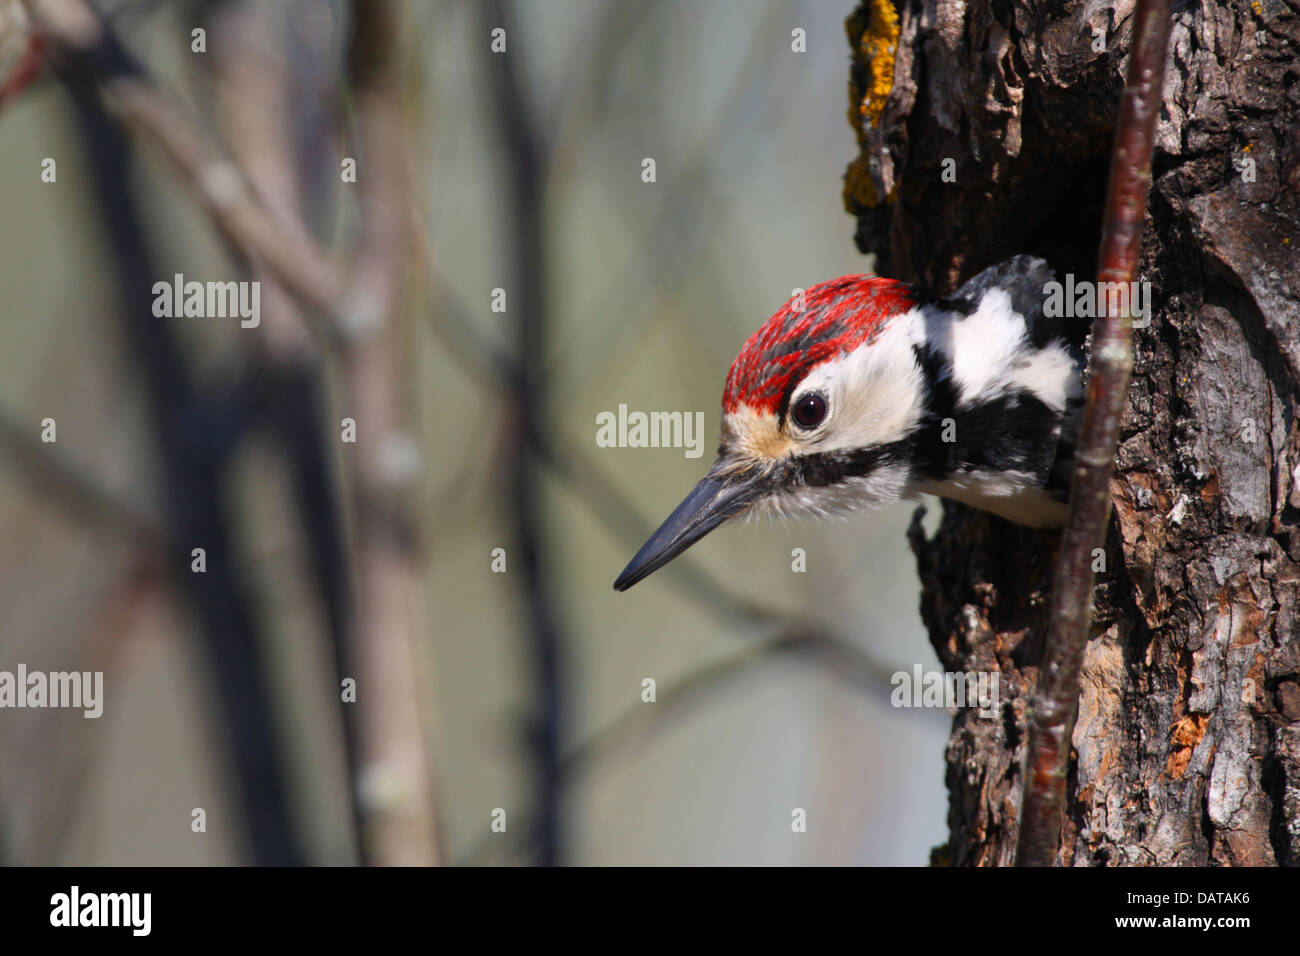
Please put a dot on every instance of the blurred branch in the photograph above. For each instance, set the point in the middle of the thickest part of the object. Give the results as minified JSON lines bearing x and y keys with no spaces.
{"x":525,"y":187}
{"x":22,"y":53}
{"x":1054,"y":706}
{"x":397,"y":784}
{"x":193,"y":441}
{"x":260,"y":102}
{"x":364,"y":305}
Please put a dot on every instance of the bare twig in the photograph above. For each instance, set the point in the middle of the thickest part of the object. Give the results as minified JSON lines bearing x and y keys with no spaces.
{"x":194,"y":447}
{"x":398,"y":794}
{"x":363,"y":307}
{"x":525,"y":182}
{"x":259,"y":93}
{"x":1053,"y":710}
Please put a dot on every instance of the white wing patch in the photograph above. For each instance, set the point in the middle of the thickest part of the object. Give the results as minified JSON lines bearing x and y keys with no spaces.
{"x":990,"y":355}
{"x":1051,"y":374}
{"x":982,"y":346}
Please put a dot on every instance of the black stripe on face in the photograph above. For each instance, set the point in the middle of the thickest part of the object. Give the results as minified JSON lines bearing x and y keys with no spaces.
{"x":826,"y":468}
{"x":784,"y":408}
{"x":1016,"y":432}
{"x":822,"y":469}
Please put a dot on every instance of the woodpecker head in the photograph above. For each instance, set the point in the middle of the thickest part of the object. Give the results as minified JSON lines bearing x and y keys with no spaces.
{"x":868,"y":391}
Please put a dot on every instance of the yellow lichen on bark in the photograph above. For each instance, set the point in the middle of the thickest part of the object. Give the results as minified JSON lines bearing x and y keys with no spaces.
{"x":873,"y":35}
{"x":879,"y":44}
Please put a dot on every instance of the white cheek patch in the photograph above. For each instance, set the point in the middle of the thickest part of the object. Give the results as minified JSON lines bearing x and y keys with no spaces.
{"x":876,"y":393}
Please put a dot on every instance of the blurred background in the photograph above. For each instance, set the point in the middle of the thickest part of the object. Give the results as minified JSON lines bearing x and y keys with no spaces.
{"x":492,"y":686}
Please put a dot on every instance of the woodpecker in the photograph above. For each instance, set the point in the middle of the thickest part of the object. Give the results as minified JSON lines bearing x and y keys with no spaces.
{"x":871,"y":391}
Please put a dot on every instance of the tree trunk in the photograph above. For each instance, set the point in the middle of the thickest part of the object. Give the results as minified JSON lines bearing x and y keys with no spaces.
{"x":985,"y":130}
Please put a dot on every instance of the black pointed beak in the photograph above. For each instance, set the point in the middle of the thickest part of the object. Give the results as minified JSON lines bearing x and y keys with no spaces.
{"x":722,"y":494}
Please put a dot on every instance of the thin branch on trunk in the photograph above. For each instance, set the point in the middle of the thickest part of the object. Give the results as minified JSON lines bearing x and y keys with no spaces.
{"x":1052,"y":712}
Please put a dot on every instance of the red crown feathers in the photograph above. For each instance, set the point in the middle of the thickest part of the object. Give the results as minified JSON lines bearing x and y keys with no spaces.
{"x":837,"y":317}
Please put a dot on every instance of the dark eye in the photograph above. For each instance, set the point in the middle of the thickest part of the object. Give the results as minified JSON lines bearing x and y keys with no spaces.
{"x":810,"y":410}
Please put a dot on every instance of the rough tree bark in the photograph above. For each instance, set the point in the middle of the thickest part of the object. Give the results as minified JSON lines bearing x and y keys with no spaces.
{"x":1187,"y":746}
